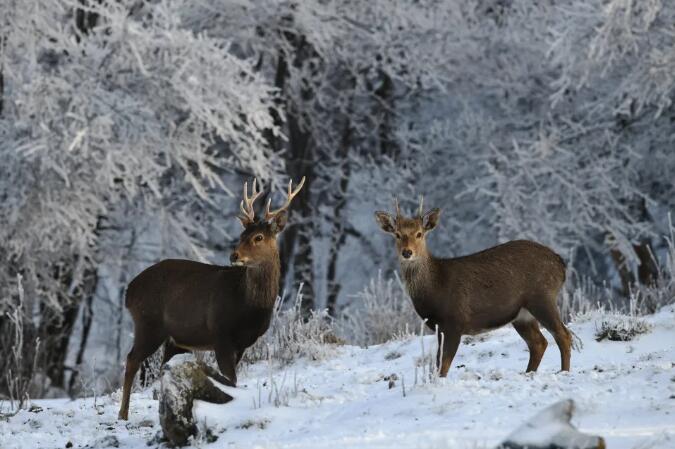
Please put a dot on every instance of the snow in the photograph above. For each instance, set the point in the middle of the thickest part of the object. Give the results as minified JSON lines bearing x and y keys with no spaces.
{"x":624,"y":392}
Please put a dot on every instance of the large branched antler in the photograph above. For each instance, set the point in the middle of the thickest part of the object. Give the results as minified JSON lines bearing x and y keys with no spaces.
{"x":269,"y":215}
{"x":246,"y":206}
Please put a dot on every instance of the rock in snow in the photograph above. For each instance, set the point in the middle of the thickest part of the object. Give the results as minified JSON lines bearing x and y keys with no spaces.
{"x":181,"y":384}
{"x":551,"y":429}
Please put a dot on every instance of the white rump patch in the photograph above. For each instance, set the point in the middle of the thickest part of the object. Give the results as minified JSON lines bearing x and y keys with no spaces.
{"x":524,"y":316}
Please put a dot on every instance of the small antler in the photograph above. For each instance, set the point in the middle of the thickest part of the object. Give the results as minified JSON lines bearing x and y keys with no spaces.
{"x":421,"y":209}
{"x":269,"y":215}
{"x":246,"y":205}
{"x":397,"y":208}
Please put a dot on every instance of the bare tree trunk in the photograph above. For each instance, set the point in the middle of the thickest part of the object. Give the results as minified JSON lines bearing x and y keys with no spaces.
{"x":55,"y":330}
{"x":296,"y":245}
{"x":87,"y":318}
{"x":3,"y":43}
{"x":384,"y":111}
{"x":338,"y":235}
{"x":647,"y":269}
{"x":298,"y":242}
{"x":625,"y":273}
{"x":85,"y":20}
{"x":56,"y":327}
{"x":122,"y":282}
{"x":2,"y":79}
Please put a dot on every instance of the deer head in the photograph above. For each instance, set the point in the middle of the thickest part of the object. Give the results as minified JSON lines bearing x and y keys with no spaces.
{"x":410,"y":233}
{"x":258,"y":240}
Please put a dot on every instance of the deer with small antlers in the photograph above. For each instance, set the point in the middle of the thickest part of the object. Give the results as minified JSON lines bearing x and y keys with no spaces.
{"x":517,"y":282}
{"x":188,"y":305}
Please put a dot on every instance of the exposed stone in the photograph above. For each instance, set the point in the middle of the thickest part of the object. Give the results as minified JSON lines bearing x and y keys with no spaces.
{"x":551,"y":429}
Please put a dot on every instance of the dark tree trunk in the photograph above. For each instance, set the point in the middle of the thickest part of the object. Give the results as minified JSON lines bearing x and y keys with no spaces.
{"x":122,"y":282}
{"x":87,"y":318}
{"x":338,"y":235}
{"x":2,"y":76}
{"x":384,"y":111}
{"x":55,"y":330}
{"x":56,"y":327}
{"x":297,"y":241}
{"x":280,"y":75}
{"x":648,"y":271}
{"x":85,"y":20}
{"x":2,"y":82}
{"x":296,"y":246}
{"x":625,"y":273}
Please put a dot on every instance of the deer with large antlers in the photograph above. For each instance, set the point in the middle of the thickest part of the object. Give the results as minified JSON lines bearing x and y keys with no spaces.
{"x":517,"y":282}
{"x":188,"y":305}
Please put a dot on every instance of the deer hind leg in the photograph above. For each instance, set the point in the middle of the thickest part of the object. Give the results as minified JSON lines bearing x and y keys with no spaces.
{"x":546,"y":312}
{"x":145,"y":344}
{"x":528,"y":328}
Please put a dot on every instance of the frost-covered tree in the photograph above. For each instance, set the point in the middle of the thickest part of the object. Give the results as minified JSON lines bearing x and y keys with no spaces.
{"x":125,"y":127}
{"x":339,"y":68}
{"x":616,"y":66}
{"x":535,"y":142}
{"x":135,"y":109}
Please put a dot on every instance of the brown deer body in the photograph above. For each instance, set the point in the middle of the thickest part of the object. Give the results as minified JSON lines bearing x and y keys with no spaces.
{"x":517,"y":282}
{"x":188,"y":305}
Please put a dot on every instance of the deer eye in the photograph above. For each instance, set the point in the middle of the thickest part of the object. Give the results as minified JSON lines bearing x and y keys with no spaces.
{"x":419,"y":235}
{"x":258,"y":238}
{"x":398,"y":236}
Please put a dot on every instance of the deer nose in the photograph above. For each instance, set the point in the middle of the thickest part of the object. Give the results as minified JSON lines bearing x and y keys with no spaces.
{"x":406,"y":253}
{"x":234,"y":257}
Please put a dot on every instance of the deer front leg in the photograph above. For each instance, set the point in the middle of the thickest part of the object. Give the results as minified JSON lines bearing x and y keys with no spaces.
{"x":226,"y":356}
{"x":450,"y":344}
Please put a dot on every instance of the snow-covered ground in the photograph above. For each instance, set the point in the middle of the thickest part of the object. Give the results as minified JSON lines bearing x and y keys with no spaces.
{"x":625,"y":392}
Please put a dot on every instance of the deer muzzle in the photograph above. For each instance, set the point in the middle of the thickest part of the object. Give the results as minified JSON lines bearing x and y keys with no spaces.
{"x":235,"y":260}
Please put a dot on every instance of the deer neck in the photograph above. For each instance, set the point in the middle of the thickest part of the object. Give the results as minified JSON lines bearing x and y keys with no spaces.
{"x":418,"y":275}
{"x":262,"y":283}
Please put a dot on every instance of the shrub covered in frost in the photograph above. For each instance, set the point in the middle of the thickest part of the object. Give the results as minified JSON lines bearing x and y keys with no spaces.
{"x":292,"y":334}
{"x":617,"y":327}
{"x":378,"y":313}
{"x":582,"y":296}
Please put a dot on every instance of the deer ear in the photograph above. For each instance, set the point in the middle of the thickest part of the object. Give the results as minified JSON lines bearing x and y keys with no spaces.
{"x":279,"y":221}
{"x":430,"y":219}
{"x":385,"y":221}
